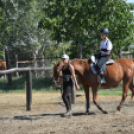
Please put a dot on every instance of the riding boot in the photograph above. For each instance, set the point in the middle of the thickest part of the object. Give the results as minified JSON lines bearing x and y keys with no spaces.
{"x":102,"y":76}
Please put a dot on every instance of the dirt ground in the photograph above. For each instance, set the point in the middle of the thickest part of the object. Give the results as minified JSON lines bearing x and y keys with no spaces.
{"x":48,"y":108}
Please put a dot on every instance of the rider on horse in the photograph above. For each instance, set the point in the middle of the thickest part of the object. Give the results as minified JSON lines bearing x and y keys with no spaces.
{"x":104,"y":54}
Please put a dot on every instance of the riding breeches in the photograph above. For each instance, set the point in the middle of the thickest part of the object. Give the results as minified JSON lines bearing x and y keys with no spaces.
{"x":102,"y":60}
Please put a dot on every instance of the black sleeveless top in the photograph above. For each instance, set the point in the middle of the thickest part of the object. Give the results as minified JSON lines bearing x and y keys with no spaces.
{"x":66,"y":71}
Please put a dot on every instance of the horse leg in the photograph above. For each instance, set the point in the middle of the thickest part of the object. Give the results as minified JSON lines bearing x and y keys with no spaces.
{"x":126,"y":84}
{"x":94,"y":90}
{"x":131,"y":87}
{"x":86,"y":89}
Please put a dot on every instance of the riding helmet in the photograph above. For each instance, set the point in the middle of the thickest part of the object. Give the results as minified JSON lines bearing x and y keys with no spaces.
{"x":104,"y":30}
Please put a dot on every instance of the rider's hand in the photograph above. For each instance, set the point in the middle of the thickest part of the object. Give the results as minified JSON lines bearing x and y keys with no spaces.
{"x":58,"y":87}
{"x":77,"y":87}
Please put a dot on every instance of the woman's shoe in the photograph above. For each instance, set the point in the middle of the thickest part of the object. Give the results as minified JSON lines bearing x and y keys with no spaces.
{"x":68,"y":113}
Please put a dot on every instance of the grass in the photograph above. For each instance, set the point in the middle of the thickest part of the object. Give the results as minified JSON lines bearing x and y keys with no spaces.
{"x":43,"y":84}
{"x":112,"y":92}
{"x":19,"y":84}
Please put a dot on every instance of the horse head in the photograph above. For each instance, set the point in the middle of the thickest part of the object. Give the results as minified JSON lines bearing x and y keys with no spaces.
{"x":56,"y":70}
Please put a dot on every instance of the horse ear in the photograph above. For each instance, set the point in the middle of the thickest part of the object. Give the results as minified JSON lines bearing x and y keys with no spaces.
{"x":54,"y":63}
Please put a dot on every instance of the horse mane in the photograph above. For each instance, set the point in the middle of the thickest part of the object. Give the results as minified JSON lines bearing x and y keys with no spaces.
{"x":80,"y":61}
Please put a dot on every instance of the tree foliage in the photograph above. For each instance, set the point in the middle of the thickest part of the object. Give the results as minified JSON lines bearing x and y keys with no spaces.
{"x":19,"y":28}
{"x":80,"y":21}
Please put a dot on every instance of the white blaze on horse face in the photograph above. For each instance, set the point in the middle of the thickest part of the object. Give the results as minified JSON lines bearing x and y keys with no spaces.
{"x":92,"y":59}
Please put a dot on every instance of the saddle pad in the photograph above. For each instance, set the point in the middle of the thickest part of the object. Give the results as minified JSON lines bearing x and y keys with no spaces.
{"x":110,"y":61}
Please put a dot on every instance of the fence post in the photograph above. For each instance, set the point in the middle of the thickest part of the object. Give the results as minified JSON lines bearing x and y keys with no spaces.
{"x":79,"y":51}
{"x":16,"y":64}
{"x":119,"y":53}
{"x":4,"y":54}
{"x":35,"y":64}
{"x":42,"y":65}
{"x":28,"y":90}
{"x":8,"y":65}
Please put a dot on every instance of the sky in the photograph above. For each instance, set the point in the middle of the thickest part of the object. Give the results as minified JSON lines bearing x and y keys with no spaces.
{"x":130,"y":1}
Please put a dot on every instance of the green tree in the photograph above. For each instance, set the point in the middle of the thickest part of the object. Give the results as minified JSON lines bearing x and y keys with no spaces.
{"x":19,"y":28}
{"x":80,"y":21}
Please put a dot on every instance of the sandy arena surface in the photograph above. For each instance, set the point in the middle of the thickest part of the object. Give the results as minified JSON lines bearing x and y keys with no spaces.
{"x":48,"y":108}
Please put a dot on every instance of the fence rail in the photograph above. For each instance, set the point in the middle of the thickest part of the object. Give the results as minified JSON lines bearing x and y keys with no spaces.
{"x":25,"y":70}
{"x":28,"y":81}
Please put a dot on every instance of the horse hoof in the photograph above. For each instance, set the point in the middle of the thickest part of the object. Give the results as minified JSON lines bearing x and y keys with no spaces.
{"x":105,"y":112}
{"x":87,"y":113}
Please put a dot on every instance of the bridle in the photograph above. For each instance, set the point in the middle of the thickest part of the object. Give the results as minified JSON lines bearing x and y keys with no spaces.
{"x":58,"y":72}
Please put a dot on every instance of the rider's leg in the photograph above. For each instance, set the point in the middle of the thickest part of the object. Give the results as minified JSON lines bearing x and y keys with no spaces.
{"x":99,"y":64}
{"x":99,"y":67}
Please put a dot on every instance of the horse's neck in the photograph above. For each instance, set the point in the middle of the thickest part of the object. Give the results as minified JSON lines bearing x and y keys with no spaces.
{"x":79,"y":66}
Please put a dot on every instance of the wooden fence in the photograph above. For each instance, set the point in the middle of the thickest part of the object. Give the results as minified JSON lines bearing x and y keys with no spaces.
{"x":28,"y":81}
{"x":127,"y":54}
{"x":41,"y":61}
{"x":34,"y":61}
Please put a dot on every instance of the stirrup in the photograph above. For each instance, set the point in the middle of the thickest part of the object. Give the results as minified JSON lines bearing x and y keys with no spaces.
{"x":101,"y":79}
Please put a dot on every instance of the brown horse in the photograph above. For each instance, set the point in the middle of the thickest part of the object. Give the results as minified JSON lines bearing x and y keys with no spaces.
{"x":121,"y":70}
{"x":3,"y":66}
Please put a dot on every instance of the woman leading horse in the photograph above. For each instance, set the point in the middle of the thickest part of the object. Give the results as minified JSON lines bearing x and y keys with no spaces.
{"x":66,"y":75}
{"x":121,"y":70}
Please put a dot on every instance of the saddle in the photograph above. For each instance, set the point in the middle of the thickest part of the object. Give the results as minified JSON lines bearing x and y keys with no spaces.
{"x":94,"y":70}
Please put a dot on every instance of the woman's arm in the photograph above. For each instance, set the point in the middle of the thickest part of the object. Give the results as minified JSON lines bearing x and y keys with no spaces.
{"x":71,"y":68}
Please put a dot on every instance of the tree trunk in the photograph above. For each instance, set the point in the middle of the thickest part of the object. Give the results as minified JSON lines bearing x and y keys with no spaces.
{"x":79,"y":51}
{"x":8,"y":65}
{"x":16,"y":64}
{"x":42,"y":73}
{"x":35,"y":64}
{"x":42,"y":65}
{"x":4,"y":58}
{"x":119,"y":53}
